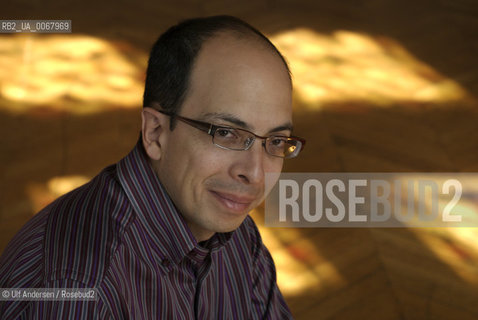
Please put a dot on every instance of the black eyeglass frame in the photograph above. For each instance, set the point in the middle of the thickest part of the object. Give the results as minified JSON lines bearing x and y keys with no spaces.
{"x":211,"y":129}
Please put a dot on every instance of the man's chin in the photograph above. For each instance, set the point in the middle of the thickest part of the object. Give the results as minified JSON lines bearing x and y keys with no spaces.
{"x":230,"y":224}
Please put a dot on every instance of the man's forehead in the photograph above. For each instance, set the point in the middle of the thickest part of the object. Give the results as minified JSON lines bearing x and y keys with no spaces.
{"x":240,"y":84}
{"x":227,"y":50}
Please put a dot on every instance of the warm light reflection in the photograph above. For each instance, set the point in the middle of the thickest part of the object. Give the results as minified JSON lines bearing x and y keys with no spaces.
{"x":351,"y":66}
{"x":65,"y":71}
{"x":454,"y":246}
{"x":41,"y":194}
{"x":58,"y":186}
{"x":293,"y":275}
{"x":74,"y":73}
{"x":300,"y":266}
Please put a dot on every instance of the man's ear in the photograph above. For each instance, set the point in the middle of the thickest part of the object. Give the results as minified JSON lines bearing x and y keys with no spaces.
{"x":154,"y":128}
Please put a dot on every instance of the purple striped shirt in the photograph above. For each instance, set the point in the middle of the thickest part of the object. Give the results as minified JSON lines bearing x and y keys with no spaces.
{"x":121,"y":234}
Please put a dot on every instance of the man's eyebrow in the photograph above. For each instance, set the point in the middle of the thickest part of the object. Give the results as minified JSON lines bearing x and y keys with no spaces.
{"x":286,"y":126}
{"x":229,"y":118}
{"x":240,"y":123}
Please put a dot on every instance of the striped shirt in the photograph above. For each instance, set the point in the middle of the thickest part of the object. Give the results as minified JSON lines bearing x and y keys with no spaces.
{"x":121,"y":234}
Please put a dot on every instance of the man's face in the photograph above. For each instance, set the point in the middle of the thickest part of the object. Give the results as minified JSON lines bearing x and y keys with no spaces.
{"x":235,"y":83}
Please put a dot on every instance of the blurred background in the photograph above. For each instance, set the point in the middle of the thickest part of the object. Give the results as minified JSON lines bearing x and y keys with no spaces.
{"x":380,"y":86}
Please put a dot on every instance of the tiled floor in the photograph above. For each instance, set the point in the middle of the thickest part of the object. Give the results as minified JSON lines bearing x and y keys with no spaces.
{"x":381,"y":86}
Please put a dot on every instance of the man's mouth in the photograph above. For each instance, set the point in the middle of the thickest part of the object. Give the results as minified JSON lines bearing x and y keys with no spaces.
{"x":235,"y":203}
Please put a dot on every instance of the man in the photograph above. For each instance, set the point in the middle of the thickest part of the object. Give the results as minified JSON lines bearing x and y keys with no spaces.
{"x":164,"y":233}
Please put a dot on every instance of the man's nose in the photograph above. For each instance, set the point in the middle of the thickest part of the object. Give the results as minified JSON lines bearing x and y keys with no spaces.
{"x":249,"y":164}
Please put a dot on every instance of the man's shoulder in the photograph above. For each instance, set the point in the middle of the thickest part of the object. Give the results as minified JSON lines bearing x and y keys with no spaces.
{"x":21,"y":264}
{"x":76,"y":235}
{"x":84,"y":229}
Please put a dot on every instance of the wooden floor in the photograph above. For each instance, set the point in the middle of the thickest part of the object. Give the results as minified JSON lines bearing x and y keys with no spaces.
{"x":381,"y":86}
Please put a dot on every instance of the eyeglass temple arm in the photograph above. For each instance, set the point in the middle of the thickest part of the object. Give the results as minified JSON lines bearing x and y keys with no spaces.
{"x":203,"y":126}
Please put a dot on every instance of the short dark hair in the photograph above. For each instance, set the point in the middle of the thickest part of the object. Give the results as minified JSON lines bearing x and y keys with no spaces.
{"x":172,"y":57}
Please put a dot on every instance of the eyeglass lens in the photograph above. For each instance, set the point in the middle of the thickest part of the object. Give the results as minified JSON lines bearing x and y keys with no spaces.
{"x":237,"y":139}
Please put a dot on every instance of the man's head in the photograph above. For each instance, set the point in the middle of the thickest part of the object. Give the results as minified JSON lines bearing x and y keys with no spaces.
{"x":235,"y":78}
{"x":174,"y":53}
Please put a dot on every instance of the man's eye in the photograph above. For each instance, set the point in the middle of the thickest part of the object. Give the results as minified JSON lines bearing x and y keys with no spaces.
{"x":278,"y":142}
{"x":226,"y":133}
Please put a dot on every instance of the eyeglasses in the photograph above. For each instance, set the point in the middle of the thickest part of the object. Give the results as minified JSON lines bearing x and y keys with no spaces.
{"x":239,"y":139}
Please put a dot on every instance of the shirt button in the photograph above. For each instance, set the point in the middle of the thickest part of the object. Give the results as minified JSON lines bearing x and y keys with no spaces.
{"x":166,"y":263}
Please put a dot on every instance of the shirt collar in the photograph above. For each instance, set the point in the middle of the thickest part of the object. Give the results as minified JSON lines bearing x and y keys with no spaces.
{"x":171,"y":237}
